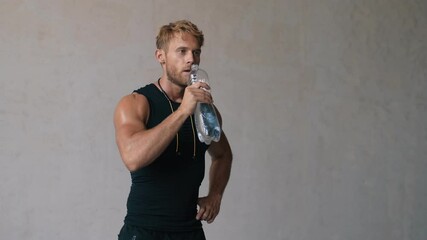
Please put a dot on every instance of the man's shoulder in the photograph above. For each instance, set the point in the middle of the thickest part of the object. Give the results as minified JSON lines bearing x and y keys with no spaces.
{"x":138,"y":96}
{"x":133,"y":102}
{"x":147,"y":89}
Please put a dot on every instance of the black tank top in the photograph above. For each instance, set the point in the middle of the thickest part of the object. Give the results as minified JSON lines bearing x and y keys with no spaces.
{"x":164,"y":194}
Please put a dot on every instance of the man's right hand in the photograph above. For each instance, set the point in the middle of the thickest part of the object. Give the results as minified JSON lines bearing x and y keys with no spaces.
{"x":197,"y":92}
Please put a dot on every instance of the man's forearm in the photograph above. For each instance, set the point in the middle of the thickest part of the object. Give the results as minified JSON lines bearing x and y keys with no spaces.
{"x":219,"y":174}
{"x":144,"y":147}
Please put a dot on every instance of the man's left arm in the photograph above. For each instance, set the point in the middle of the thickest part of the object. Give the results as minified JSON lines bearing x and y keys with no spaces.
{"x":219,"y":174}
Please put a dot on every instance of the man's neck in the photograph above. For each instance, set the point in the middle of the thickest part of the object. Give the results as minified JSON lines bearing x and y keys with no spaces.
{"x":173,"y":91}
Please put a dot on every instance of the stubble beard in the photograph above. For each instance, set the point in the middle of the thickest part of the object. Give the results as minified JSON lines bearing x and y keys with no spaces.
{"x":175,"y":78}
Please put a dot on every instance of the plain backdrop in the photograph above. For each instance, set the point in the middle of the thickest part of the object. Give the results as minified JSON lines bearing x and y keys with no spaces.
{"x":324,"y":103}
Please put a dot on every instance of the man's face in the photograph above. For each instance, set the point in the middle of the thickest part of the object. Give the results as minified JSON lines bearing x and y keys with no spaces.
{"x":183,"y":51}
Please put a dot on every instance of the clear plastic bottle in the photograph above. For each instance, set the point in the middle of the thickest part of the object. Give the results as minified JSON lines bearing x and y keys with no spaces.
{"x":206,"y":120}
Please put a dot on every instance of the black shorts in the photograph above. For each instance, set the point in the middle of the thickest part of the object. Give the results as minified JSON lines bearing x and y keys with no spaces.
{"x":129,"y":232}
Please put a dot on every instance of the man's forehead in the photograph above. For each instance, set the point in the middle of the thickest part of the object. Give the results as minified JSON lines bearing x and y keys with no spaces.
{"x":184,"y":39}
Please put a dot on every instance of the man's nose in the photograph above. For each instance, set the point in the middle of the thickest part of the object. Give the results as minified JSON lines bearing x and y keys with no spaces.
{"x":191,"y":57}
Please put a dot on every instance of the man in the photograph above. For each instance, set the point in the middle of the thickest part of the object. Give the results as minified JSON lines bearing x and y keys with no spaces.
{"x":158,"y":143}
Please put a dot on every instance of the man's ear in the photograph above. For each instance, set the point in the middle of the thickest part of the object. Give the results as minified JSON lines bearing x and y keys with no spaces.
{"x":160,"y":56}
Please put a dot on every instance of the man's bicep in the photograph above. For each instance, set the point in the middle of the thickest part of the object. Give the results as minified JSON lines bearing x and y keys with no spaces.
{"x":129,"y":117}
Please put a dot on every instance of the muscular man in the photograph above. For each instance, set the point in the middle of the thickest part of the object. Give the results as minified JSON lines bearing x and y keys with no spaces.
{"x":158,"y":143}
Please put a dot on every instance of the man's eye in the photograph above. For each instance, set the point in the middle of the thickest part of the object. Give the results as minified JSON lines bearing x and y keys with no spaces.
{"x":182,"y":51}
{"x":197,"y":53}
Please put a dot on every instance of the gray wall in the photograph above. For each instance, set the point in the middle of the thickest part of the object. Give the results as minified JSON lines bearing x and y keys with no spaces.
{"x":324,"y":103}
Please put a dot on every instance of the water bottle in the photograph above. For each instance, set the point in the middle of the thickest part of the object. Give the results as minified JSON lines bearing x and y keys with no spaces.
{"x":206,"y":120}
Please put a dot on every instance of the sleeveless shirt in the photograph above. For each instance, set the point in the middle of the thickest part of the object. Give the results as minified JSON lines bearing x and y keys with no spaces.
{"x":163,"y":195}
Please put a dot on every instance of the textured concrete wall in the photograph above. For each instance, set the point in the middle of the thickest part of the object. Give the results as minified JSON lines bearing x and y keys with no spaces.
{"x":324,"y":103}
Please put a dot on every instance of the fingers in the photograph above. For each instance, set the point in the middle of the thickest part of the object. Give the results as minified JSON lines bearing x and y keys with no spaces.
{"x":193,"y":94}
{"x":198,"y":93}
{"x":207,"y":211}
{"x":201,"y":85}
{"x":206,"y":215}
{"x":200,"y":214}
{"x":201,"y":92}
